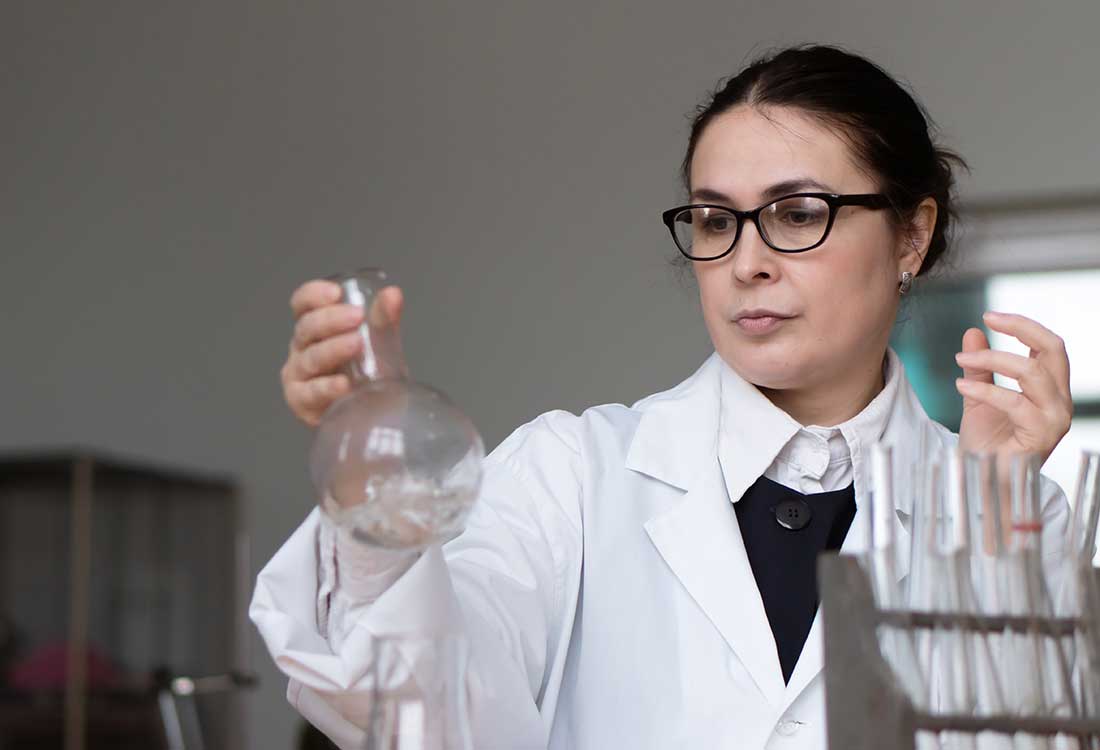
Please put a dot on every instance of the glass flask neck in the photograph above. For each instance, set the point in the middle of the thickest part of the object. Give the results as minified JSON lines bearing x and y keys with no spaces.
{"x":418,"y":699}
{"x":382,"y":357}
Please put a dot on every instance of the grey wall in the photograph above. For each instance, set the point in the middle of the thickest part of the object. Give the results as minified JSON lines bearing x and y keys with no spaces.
{"x":170,"y":171}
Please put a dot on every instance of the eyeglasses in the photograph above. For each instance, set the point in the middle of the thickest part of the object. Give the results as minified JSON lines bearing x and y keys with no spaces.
{"x":791,"y":224}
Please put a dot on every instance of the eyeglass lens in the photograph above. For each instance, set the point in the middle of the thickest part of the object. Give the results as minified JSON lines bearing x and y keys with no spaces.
{"x":795,"y":223}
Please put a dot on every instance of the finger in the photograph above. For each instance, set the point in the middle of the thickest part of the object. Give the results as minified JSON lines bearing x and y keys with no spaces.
{"x":326,"y":357}
{"x":974,"y":340}
{"x":314,"y":294}
{"x":1044,"y":343}
{"x":1036,"y":430}
{"x":310,"y":398}
{"x":1035,"y":381}
{"x":1013,"y":403}
{"x":387,"y":307}
{"x":325,"y":322}
{"x":1033,"y":334}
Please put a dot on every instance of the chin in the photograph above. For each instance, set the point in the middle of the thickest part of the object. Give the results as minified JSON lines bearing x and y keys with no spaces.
{"x":778,"y":369}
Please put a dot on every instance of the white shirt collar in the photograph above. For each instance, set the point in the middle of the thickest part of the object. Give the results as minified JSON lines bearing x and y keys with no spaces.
{"x":754,"y":433}
{"x":677,"y":439}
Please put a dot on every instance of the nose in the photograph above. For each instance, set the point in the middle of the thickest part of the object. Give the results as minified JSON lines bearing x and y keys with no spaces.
{"x":753,"y":260}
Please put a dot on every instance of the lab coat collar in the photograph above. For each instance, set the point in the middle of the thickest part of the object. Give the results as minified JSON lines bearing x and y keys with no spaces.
{"x":678,"y":433}
{"x":745,"y":454}
{"x":678,"y":441}
{"x":678,"y":429}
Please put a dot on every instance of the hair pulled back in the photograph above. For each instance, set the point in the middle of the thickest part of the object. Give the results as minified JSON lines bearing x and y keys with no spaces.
{"x":888,"y":130}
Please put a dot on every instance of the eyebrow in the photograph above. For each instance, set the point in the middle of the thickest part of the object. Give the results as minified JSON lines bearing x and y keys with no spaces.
{"x":778,"y":190}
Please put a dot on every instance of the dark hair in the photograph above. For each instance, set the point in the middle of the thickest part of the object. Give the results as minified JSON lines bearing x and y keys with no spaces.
{"x":885,"y":126}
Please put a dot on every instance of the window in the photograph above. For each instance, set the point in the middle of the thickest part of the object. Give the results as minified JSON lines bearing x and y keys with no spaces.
{"x":1042,"y":262}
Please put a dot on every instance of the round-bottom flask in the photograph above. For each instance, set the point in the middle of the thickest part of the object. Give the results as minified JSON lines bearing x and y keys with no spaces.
{"x":394,"y":461}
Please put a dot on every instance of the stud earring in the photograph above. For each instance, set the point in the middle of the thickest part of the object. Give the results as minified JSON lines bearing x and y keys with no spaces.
{"x":906,"y":282}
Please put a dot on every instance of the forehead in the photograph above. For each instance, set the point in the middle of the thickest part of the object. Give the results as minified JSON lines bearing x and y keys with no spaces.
{"x":746,"y":149}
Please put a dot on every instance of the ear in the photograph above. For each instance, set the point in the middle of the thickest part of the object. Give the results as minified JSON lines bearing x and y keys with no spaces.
{"x":915,"y":241}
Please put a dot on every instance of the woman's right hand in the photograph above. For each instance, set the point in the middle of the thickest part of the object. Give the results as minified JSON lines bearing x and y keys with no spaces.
{"x":325,"y":339}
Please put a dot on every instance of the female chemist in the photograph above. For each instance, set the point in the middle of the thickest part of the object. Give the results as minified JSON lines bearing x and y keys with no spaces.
{"x":624,"y":581}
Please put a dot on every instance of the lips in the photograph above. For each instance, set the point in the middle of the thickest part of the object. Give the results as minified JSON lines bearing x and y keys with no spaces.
{"x":758,"y":322}
{"x":760,"y":313}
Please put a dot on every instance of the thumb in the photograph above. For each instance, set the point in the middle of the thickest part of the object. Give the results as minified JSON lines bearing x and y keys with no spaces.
{"x":974,"y":340}
{"x":387,"y":307}
{"x":393,"y":299}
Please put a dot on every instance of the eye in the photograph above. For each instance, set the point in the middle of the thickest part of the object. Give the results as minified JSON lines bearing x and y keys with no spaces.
{"x":801,"y":216}
{"x":713,"y":221}
{"x":800,"y":212}
{"x":718,"y":224}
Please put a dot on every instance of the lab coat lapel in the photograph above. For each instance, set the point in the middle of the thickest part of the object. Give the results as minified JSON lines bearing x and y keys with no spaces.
{"x":701,"y":542}
{"x":677,"y":442}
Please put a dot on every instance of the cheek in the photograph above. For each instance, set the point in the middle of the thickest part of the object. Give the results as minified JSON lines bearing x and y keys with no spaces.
{"x":714,"y":287}
{"x":853,"y":285}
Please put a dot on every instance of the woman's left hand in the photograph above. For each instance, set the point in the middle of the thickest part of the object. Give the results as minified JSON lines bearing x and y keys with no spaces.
{"x":1000,"y":420}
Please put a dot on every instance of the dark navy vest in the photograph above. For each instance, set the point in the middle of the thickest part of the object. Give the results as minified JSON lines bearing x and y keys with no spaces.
{"x":784,"y":561}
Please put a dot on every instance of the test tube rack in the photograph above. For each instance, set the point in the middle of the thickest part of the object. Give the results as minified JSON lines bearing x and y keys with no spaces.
{"x":864,"y":706}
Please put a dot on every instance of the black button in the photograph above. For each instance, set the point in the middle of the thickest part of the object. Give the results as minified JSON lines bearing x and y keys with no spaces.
{"x":793,"y":514}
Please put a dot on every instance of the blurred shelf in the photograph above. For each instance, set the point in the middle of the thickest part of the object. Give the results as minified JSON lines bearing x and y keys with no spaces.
{"x":47,"y":463}
{"x":111,"y":567}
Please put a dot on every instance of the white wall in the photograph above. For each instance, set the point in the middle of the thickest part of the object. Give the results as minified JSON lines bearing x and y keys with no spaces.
{"x":170,"y":171}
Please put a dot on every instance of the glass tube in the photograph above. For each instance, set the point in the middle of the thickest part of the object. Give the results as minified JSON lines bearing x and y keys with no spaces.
{"x":926,"y":483}
{"x":1081,"y":595}
{"x":1086,"y":507}
{"x":417,"y":697}
{"x":970,"y":574}
{"x":898,"y":645}
{"x":1027,"y":530}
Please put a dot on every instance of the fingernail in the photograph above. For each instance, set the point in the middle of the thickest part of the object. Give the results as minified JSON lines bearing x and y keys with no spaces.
{"x":962,"y":384}
{"x":960,"y":356}
{"x":992,"y":314}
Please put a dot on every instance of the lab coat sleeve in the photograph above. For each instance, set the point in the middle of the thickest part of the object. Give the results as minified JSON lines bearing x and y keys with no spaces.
{"x":1055,"y":542}
{"x":509,"y":583}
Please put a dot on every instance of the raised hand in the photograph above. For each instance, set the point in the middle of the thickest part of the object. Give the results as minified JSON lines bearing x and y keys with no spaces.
{"x":325,"y":339}
{"x":998,"y":419}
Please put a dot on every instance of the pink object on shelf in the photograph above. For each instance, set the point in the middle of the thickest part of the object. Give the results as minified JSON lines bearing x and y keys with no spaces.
{"x":47,"y":667}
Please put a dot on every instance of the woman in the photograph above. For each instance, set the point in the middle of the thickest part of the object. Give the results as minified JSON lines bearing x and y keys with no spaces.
{"x":611,"y":595}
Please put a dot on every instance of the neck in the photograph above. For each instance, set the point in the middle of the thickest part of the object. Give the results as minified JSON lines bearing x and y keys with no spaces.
{"x":830,"y":403}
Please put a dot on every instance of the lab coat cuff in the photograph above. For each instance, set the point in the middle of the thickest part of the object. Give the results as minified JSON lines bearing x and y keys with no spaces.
{"x":364,"y":573}
{"x":420,"y":602}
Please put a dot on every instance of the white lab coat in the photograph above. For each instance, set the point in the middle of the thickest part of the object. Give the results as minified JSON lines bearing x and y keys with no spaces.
{"x":603,"y":585}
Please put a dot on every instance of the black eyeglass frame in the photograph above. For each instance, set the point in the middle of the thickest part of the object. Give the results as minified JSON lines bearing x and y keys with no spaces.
{"x":833,"y":200}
